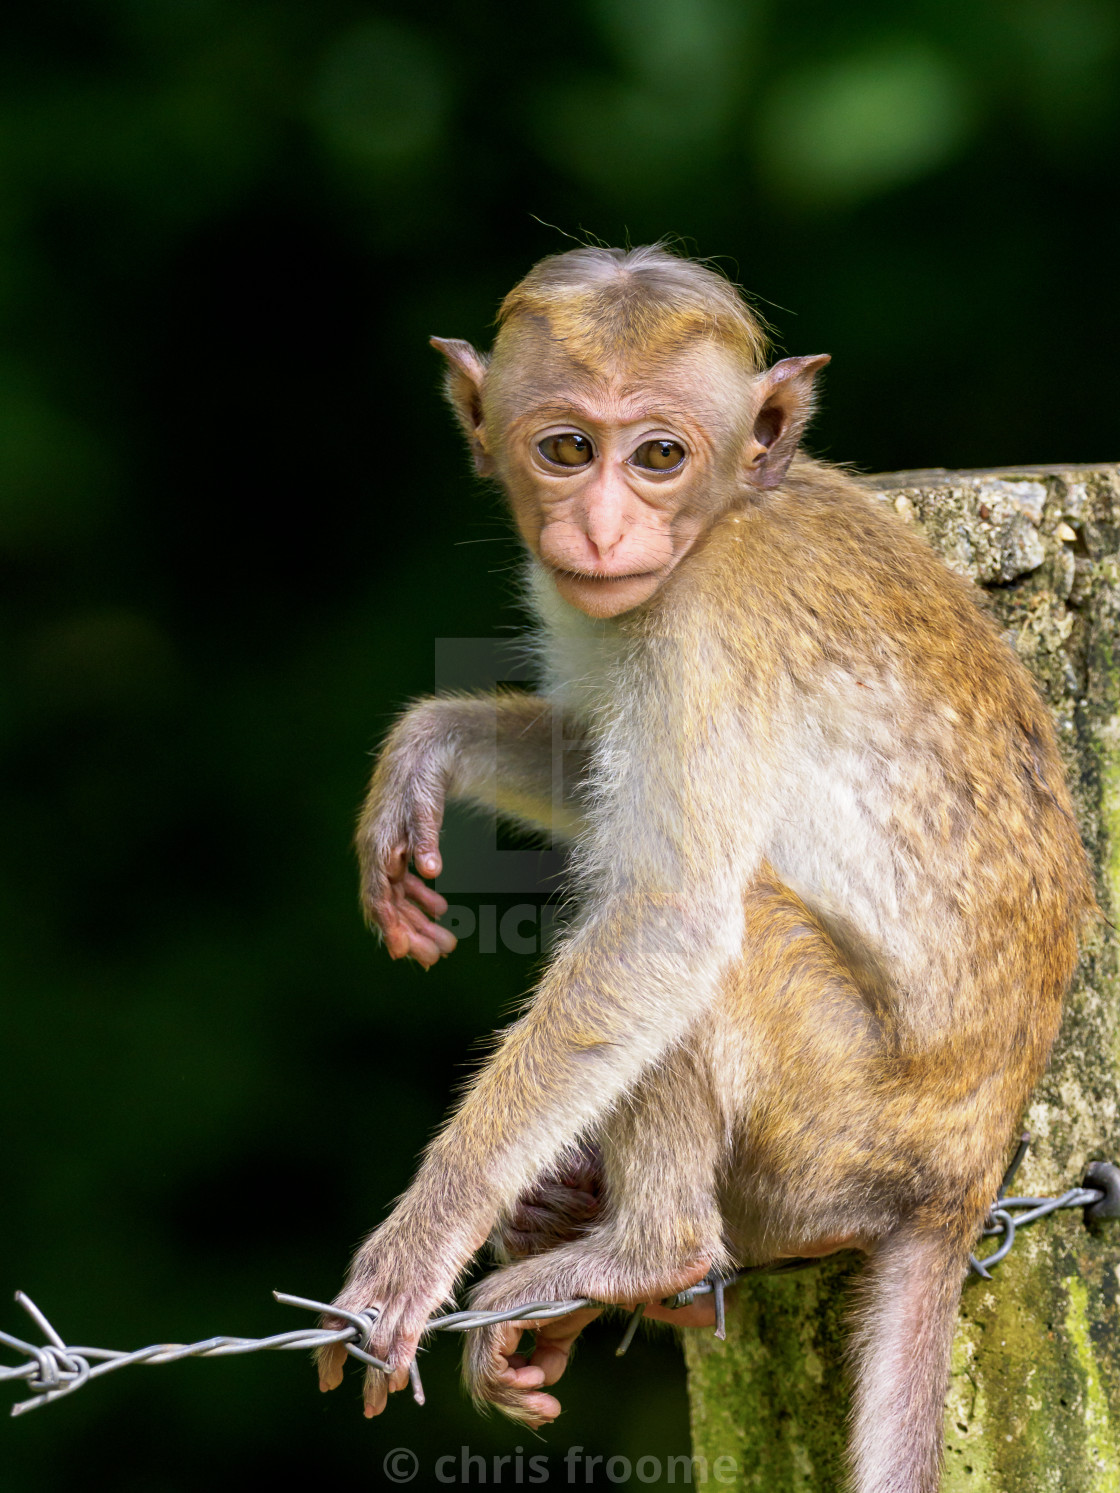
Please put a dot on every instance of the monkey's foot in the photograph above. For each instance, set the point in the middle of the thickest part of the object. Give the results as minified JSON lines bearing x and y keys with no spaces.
{"x":497,"y":1374}
{"x":559,"y":1207}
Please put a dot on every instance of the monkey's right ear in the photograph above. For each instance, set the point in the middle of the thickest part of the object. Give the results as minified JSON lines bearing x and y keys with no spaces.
{"x":462,"y":386}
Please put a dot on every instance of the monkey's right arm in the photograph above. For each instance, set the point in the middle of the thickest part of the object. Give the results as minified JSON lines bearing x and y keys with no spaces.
{"x":675,"y":831}
{"x":509,"y":751}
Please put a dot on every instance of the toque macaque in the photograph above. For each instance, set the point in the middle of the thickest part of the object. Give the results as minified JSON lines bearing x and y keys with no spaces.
{"x":828,"y":878}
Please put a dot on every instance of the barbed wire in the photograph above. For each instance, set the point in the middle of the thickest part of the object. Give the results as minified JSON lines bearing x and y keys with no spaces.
{"x":53,"y":1369}
{"x":1100,"y":1200}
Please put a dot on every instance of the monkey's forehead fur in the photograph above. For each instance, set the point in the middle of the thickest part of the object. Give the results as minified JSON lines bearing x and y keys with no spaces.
{"x":605,"y":305}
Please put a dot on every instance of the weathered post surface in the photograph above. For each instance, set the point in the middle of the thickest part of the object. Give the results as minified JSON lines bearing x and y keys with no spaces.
{"x":1034,"y":1397}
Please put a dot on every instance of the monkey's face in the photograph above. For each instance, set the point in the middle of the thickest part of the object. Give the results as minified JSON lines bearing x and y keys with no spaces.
{"x":610,"y":500}
{"x":613,"y":478}
{"x":614,"y":474}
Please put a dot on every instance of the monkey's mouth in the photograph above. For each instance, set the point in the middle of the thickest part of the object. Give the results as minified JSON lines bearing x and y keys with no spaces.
{"x":601,"y":578}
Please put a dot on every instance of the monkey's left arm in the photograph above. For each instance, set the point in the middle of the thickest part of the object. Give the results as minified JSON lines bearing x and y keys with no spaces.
{"x":511,"y":751}
{"x":670,"y":846}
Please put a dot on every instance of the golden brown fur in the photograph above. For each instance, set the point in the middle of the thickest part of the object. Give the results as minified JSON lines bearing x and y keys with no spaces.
{"x":657,"y":306}
{"x":829,"y":875}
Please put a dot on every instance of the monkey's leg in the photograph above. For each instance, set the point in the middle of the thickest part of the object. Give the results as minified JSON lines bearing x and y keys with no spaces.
{"x":904,"y":1332}
{"x":508,"y":751}
{"x":841,"y":1139}
{"x":660,"y":1232}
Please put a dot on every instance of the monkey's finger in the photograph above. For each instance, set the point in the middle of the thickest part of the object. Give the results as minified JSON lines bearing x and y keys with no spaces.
{"x":702,"y":1313}
{"x":390,"y":916}
{"x":424,"y":895}
{"x":508,"y":1367}
{"x":584,"y":1172}
{"x":396,"y":936}
{"x":332,"y":1360}
{"x":571,"y":1204}
{"x":428,"y":860}
{"x":423,"y":950}
{"x":418,"y":920}
{"x":546,"y":1219}
{"x":430,"y":948}
{"x":379,"y":1385}
{"x":500,"y":1341}
{"x":426,"y":955}
{"x":521,"y":1375}
{"x":550,"y":1360}
{"x":539,"y":1409}
{"x":518,"y":1393}
{"x":444,"y":940}
{"x":519,"y":1244}
{"x":428,"y":942}
{"x":376,"y":1395}
{"x":554,"y":1343}
{"x":554,"y":1197}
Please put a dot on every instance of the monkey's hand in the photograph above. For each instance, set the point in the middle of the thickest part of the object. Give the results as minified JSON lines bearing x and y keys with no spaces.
{"x":399,"y":829}
{"x":391,"y":1275}
{"x":559,"y":1207}
{"x":403,"y":910}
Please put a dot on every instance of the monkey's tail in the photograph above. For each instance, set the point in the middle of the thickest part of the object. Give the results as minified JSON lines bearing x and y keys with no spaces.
{"x":904,"y":1325}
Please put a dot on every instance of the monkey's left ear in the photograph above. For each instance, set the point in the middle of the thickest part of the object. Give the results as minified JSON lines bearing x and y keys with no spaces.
{"x":785,"y":404}
{"x":462,"y":386}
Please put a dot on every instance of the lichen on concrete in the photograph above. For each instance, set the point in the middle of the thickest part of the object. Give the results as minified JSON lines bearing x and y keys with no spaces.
{"x":1034,"y":1396}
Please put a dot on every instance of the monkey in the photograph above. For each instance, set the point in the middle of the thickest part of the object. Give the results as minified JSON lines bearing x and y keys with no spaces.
{"x":828,"y":881}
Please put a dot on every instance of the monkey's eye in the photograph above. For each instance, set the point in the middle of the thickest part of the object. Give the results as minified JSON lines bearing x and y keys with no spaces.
{"x":568,"y":450}
{"x":658,"y":456}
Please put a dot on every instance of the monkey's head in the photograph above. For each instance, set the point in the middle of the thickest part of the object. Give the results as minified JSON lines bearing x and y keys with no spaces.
{"x":624,"y":408}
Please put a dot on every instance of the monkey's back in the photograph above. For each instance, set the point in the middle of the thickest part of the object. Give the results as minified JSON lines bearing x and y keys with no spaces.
{"x":921,"y":811}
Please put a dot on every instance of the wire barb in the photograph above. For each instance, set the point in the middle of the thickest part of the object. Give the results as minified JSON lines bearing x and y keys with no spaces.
{"x":631,"y":1329}
{"x":53,"y":1369}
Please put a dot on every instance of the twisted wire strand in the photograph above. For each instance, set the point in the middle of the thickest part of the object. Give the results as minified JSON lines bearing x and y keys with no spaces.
{"x":53,"y":1369}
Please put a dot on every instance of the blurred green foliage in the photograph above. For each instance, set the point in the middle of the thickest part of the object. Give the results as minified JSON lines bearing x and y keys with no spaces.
{"x":233,"y":518}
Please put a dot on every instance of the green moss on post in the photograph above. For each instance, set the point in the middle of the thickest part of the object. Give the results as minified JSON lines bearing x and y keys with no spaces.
{"x":1034,"y":1396}
{"x":774,"y":1396}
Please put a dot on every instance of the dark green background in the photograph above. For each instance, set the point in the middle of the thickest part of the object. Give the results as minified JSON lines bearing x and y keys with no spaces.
{"x":233,"y":518}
